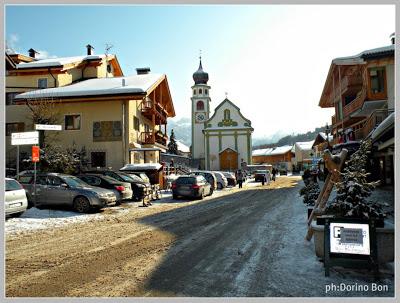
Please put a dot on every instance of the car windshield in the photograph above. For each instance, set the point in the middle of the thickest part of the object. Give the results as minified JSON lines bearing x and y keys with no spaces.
{"x":74,"y":182}
{"x":12,"y":185}
{"x":185,"y":180}
{"x":125,"y":177}
{"x":136,"y":178}
{"x":110,"y":179}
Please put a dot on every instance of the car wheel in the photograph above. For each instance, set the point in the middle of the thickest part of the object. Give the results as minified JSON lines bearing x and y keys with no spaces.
{"x":30,"y":203}
{"x":81,"y":205}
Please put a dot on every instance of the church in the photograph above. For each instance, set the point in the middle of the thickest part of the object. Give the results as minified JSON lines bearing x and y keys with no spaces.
{"x":221,"y":141}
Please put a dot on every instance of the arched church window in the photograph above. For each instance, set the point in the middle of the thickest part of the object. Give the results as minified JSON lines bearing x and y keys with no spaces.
{"x":200,"y":91}
{"x":206,"y":91}
{"x":227,"y":114}
{"x":194,"y":92}
{"x":200,"y":105}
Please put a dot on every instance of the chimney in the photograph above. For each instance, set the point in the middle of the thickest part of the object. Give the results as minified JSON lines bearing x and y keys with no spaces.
{"x":123,"y":82}
{"x":392,"y":37}
{"x":143,"y":70}
{"x":32,"y":53}
{"x":89,"y":49}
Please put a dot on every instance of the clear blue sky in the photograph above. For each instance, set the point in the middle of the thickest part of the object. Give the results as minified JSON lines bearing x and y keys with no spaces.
{"x":271,"y":59}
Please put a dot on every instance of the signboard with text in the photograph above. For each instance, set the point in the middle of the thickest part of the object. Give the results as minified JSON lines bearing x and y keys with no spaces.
{"x":25,"y":138}
{"x":47,"y":127}
{"x":349,"y":238}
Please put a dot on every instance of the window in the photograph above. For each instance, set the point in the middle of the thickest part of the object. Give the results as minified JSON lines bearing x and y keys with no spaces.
{"x":194,"y":92}
{"x":200,"y":91}
{"x":14,"y":128}
{"x":42,"y":83}
{"x":10,"y":98}
{"x":206,"y":91}
{"x":98,"y":159}
{"x":109,"y":69}
{"x":107,"y":131}
{"x":200,"y":105}
{"x":54,"y":181}
{"x":227,"y":114}
{"x":377,"y":81}
{"x":146,"y":128}
{"x":136,"y":123}
{"x":72,"y":122}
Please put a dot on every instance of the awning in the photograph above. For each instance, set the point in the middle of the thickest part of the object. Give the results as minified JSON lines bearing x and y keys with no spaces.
{"x":368,"y":108}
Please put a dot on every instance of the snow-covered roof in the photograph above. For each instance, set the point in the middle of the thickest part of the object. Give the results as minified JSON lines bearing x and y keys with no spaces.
{"x":305,"y":145}
{"x":58,"y":61}
{"x":136,"y":84}
{"x":272,"y":151}
{"x":385,"y":124}
{"x":365,"y":54}
{"x":323,"y":135}
{"x":142,"y":166}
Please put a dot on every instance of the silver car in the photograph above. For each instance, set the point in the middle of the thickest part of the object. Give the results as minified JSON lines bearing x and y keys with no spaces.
{"x":222,"y":182}
{"x":15,"y":198}
{"x":61,"y":189}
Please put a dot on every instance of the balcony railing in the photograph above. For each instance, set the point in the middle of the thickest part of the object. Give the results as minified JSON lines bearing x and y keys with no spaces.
{"x":153,"y":137}
{"x":373,"y":121}
{"x":355,"y":104}
{"x":149,"y":109}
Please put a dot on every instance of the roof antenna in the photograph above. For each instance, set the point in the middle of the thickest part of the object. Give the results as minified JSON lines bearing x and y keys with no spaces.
{"x":226,"y":95}
{"x":108,"y":47}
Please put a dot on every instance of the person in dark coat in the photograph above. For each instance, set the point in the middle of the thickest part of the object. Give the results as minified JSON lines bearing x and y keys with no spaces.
{"x":273,"y":173}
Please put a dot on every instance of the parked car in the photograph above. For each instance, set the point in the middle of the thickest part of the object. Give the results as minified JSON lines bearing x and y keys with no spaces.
{"x":260,"y":175}
{"x":210,"y":177}
{"x":122,"y":190}
{"x":191,"y":186}
{"x":53,"y":189}
{"x":230,"y":177}
{"x":16,"y":201}
{"x":222,"y":182}
{"x":140,"y":188}
{"x":140,"y":174}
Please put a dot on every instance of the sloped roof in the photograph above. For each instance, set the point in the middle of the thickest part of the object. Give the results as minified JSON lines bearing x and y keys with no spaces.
{"x":304,"y":145}
{"x":379,"y":51}
{"x":323,"y":135}
{"x":272,"y":151}
{"x":136,"y":84}
{"x":59,"y":61}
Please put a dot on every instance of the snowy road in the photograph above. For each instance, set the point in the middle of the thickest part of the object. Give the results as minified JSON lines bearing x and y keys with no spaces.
{"x":244,"y":243}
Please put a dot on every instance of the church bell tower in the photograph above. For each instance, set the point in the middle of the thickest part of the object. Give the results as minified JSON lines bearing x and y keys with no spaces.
{"x":200,"y":114}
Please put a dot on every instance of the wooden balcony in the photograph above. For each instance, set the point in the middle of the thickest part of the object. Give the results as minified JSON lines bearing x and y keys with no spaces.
{"x":351,"y":84}
{"x":357,"y":103}
{"x":373,"y":121}
{"x":153,"y":137}
{"x":153,"y":111}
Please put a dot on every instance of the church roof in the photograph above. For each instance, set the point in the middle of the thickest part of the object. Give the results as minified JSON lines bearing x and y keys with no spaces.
{"x":200,"y":76}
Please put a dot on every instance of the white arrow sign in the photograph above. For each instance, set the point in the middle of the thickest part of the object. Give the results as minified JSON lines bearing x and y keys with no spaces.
{"x":25,"y":138}
{"x":47,"y":127}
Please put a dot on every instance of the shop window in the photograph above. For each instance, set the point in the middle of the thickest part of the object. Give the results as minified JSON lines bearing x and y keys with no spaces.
{"x":136,"y":124}
{"x":98,"y":159}
{"x":14,"y":128}
{"x":72,"y":122}
{"x":42,"y":83}
{"x":200,"y":105}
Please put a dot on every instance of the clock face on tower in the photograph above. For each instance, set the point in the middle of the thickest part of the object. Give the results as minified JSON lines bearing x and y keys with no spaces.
{"x":200,"y":117}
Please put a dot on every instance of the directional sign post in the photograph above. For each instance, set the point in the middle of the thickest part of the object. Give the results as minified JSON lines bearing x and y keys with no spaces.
{"x":25,"y":138}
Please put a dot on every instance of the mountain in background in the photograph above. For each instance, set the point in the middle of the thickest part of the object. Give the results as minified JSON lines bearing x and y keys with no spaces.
{"x":182,"y":129}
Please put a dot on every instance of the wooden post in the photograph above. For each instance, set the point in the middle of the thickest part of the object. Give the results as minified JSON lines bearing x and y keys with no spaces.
{"x":334,"y":164}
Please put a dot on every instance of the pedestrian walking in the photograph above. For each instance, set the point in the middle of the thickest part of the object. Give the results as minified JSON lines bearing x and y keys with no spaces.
{"x":239,"y":177}
{"x":273,"y":173}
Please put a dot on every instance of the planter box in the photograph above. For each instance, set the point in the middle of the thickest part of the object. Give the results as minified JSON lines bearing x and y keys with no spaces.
{"x":384,"y":238}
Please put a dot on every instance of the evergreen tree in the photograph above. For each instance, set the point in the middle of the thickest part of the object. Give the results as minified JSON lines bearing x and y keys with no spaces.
{"x":310,"y":192}
{"x":172,"y":146}
{"x":353,"y":189}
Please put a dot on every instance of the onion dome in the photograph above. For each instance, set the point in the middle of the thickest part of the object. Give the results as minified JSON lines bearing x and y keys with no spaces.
{"x":200,"y":76}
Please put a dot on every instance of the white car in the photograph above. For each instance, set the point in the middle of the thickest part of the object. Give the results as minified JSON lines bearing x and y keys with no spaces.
{"x":15,"y":198}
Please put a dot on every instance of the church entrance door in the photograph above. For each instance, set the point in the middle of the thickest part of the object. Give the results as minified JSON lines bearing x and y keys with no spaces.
{"x":228,"y":160}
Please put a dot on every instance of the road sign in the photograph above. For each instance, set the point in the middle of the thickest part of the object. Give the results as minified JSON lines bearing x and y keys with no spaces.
{"x":25,"y":138}
{"x":47,"y":127}
{"x":35,"y":153}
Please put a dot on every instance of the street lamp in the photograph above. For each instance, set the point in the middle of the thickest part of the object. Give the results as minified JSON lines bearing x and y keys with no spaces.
{"x":327,"y":131}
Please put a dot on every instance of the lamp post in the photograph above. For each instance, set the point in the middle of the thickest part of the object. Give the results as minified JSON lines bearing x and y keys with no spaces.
{"x":327,"y":130}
